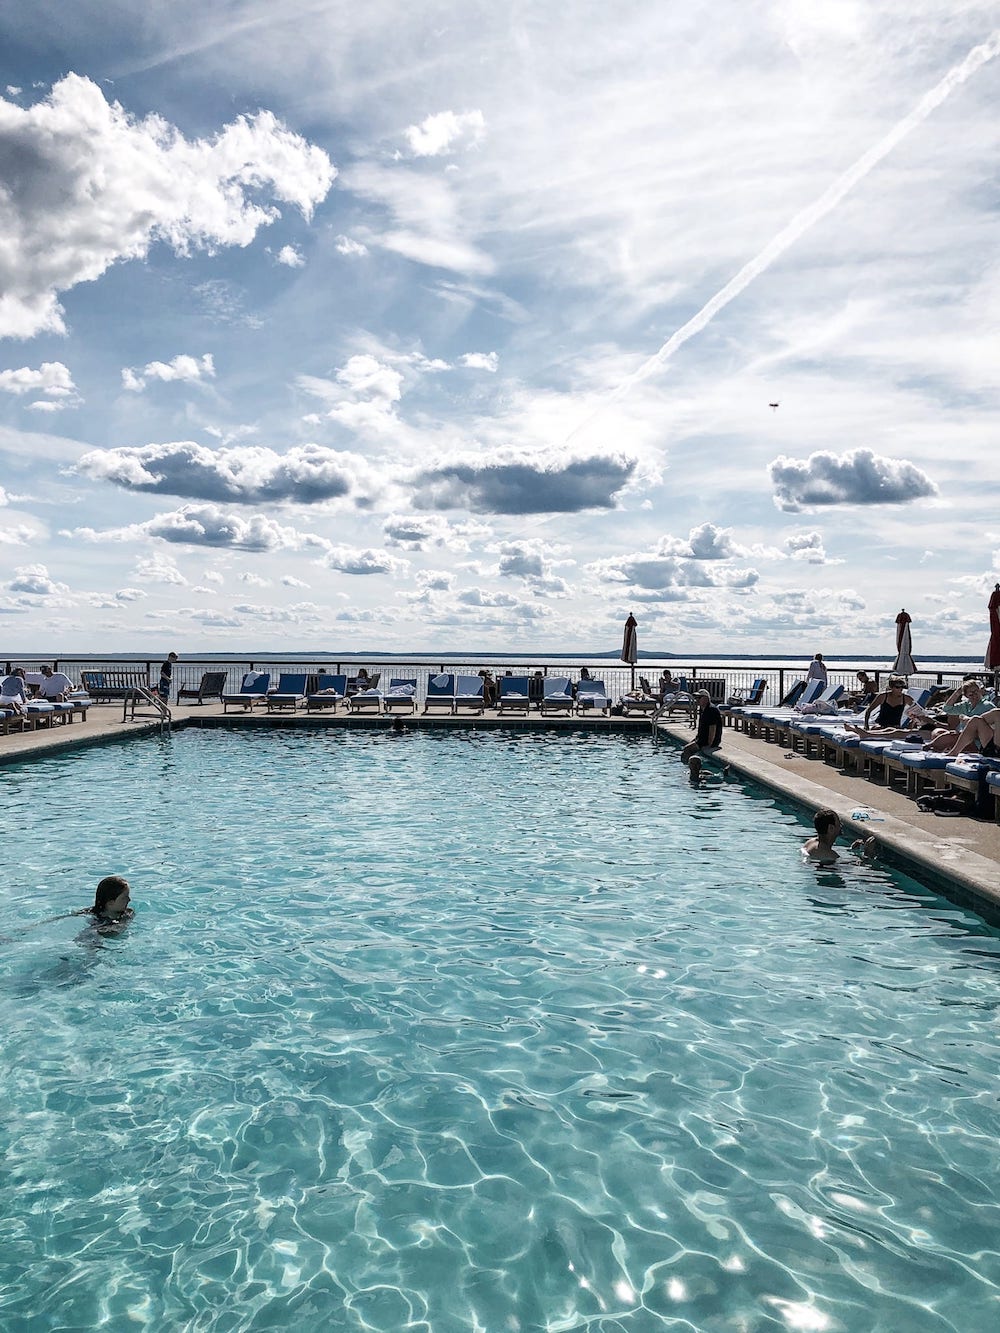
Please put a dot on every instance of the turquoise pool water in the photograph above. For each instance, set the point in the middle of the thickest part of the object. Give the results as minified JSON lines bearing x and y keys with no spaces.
{"x":479,"y":1032}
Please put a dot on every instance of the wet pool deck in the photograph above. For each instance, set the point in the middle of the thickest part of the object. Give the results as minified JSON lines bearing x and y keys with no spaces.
{"x":943,"y":852}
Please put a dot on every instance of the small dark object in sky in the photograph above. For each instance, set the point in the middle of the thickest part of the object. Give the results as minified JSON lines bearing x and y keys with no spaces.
{"x":774,"y":404}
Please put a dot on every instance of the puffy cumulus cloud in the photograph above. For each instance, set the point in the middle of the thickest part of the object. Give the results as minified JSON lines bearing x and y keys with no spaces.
{"x":480,"y":361}
{"x":213,"y":576}
{"x":653,"y":576}
{"x":290,"y":581}
{"x":482,"y":597}
{"x":290,"y":256}
{"x":156,"y":569}
{"x":247,"y":474}
{"x":418,"y":533}
{"x":183,"y":368}
{"x":434,"y":580}
{"x":858,"y":477}
{"x":34,"y":580}
{"x":347,"y":560}
{"x":808,"y":546}
{"x":87,"y":185}
{"x":524,"y":485}
{"x":207,"y":525}
{"x":3,"y":497}
{"x":130,"y":595}
{"x":51,"y":381}
{"x":532,"y":561}
{"x":344,"y":245}
{"x":254,"y":580}
{"x":445,"y":132}
{"x":706,"y":542}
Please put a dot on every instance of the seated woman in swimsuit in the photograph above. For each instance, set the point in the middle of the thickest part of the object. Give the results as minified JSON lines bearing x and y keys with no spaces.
{"x":891,"y":703}
{"x":983,"y":730}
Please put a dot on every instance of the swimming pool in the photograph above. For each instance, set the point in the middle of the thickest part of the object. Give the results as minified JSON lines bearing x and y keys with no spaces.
{"x":479,"y":1031}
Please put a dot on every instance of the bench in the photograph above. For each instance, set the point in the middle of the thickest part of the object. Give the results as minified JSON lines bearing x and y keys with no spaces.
{"x":104,"y":686}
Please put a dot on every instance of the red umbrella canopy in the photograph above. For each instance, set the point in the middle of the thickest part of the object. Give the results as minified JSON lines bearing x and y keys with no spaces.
{"x":630,"y":643}
{"x":992,"y":661}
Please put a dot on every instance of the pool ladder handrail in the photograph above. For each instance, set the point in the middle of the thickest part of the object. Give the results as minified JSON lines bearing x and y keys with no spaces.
{"x":148,"y":696}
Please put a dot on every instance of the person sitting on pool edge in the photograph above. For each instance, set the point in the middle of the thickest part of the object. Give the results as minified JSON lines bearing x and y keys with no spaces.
{"x":707,"y":742}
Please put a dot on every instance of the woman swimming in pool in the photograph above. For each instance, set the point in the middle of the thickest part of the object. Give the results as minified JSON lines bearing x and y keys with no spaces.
{"x":111,"y":901}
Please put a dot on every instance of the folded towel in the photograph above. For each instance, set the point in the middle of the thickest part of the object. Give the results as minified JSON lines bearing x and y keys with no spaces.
{"x":402,"y":692}
{"x":440,"y":681}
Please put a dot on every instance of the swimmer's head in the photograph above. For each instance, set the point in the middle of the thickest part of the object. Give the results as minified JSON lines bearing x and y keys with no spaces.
{"x":824,"y":821}
{"x":112,"y":896}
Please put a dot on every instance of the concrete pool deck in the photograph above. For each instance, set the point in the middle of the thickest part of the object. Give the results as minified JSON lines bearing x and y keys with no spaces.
{"x":958,"y":852}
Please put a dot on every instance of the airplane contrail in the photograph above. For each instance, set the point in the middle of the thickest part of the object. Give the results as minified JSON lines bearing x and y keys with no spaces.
{"x":809,"y":216}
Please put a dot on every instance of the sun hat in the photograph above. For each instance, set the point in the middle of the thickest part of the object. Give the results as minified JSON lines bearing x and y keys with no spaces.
{"x":703,"y":694}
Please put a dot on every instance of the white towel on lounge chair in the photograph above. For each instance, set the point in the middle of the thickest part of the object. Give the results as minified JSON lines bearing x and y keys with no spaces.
{"x":440,"y":680}
{"x":402,"y":692}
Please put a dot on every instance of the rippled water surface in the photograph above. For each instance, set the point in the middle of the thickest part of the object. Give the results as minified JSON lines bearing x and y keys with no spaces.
{"x":479,"y":1032}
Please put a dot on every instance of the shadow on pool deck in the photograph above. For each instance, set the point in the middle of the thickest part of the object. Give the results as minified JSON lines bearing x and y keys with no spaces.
{"x":945,"y":853}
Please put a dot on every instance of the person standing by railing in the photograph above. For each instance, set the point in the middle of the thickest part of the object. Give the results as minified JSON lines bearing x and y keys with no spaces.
{"x":166,"y":678}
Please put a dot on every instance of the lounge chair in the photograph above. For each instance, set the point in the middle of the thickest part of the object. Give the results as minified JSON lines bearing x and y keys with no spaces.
{"x":557,"y":696}
{"x":253,"y":690}
{"x":591,"y":696}
{"x":401,"y":696}
{"x":212,"y":686}
{"x":330,"y":691}
{"x":515,"y":695}
{"x":365,"y":701}
{"x":748,"y":698}
{"x":469,"y":694}
{"x":639,"y":703}
{"x":289,"y":692}
{"x":440,"y":692}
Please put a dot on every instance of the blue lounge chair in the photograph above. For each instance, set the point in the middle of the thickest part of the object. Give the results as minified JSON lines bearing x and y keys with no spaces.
{"x":515,"y":694}
{"x":591,"y":696}
{"x":365,"y":701}
{"x":253,"y":690}
{"x":557,"y":696}
{"x":401,"y":696}
{"x":330,"y":691}
{"x":440,"y":692}
{"x":469,"y":694}
{"x":288,"y":693}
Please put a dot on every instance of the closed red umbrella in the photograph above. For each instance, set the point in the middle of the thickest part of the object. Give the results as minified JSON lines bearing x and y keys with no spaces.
{"x":630,"y":643}
{"x":992,"y":660}
{"x":904,"y":664}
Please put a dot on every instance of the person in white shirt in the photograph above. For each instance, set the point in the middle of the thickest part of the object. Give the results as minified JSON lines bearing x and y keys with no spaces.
{"x":55,"y":685}
{"x":14,"y":693}
{"x":817,"y":670}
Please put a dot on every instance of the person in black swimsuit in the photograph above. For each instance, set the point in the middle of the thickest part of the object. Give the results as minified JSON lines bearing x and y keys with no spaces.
{"x":890,"y":704}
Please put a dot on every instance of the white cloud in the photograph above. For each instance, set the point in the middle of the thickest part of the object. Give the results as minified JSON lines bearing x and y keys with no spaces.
{"x":346,"y":246}
{"x":52,"y":380}
{"x":290,"y":256}
{"x":35,"y":581}
{"x":248,"y":474}
{"x":858,"y":477}
{"x":480,"y":361}
{"x":87,"y":185}
{"x":159,"y":569}
{"x":183,"y":368}
{"x":445,"y":132}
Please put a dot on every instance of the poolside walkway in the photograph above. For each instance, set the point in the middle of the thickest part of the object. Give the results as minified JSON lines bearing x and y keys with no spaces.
{"x":964,"y":851}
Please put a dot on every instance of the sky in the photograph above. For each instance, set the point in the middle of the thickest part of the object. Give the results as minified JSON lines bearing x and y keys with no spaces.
{"x":475,"y":327}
